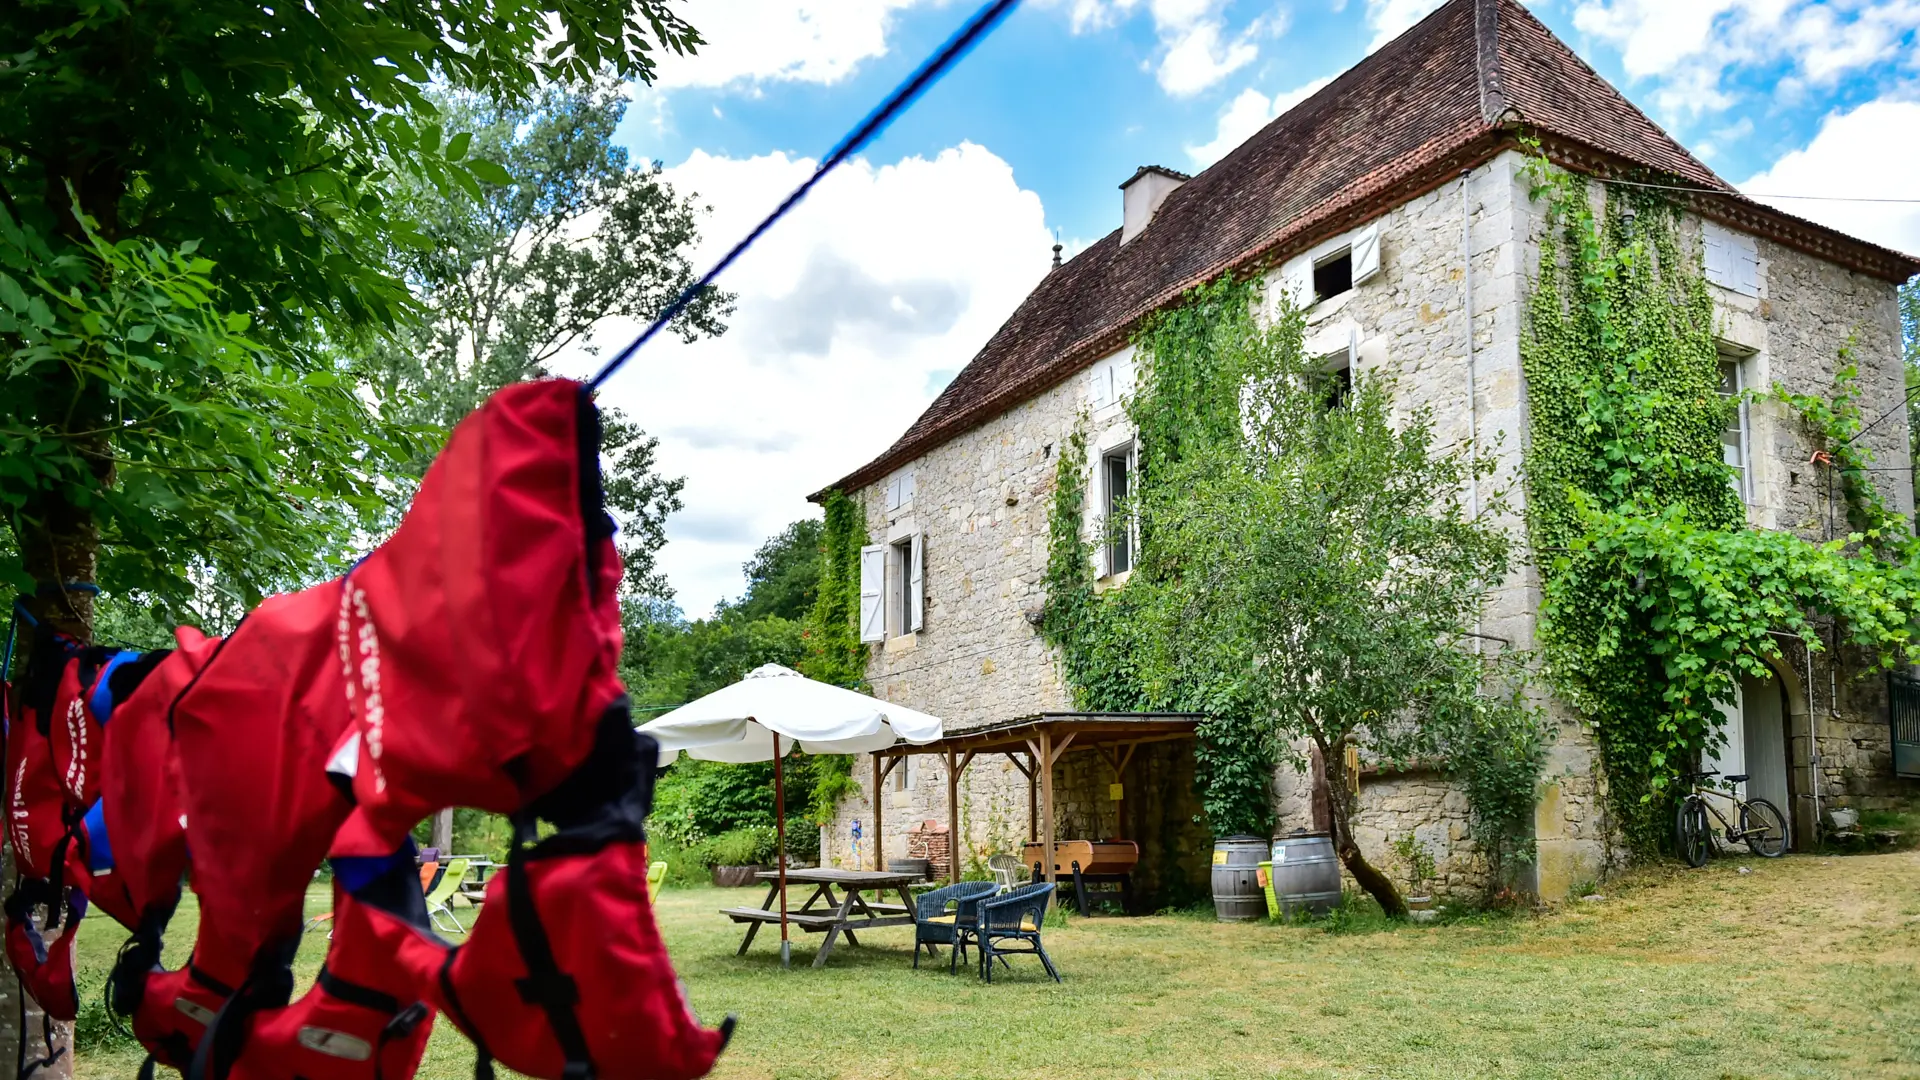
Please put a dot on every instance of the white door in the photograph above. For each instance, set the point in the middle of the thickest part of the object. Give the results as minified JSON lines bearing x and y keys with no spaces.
{"x":1729,"y":759}
{"x":1764,"y":721}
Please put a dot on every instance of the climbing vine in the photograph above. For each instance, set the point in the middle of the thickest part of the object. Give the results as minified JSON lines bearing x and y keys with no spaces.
{"x":832,"y":634}
{"x":1656,"y":596}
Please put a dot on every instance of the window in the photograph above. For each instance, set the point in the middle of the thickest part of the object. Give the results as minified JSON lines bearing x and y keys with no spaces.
{"x":1116,"y":471}
{"x":1734,"y":440}
{"x":900,"y":490}
{"x":892,"y":588}
{"x":903,"y":774}
{"x":1339,"y":381}
{"x":1333,"y":275}
{"x":899,"y":593}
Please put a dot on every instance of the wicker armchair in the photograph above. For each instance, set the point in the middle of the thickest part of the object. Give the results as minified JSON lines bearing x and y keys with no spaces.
{"x":933,"y":923}
{"x":1013,"y":917}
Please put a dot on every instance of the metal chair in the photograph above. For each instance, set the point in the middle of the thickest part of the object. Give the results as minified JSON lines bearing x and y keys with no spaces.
{"x":1009,"y":872}
{"x":1014,"y":917}
{"x":933,"y":924}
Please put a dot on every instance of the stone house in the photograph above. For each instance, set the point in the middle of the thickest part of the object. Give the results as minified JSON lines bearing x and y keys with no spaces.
{"x":1394,"y":202}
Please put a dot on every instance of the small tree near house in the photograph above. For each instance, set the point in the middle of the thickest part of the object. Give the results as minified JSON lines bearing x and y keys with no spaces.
{"x":1315,"y":564}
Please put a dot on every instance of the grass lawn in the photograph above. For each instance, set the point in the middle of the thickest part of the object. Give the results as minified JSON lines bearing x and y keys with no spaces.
{"x":1805,"y":967}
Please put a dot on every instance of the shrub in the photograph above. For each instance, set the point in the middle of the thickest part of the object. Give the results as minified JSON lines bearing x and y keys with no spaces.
{"x":753,"y":845}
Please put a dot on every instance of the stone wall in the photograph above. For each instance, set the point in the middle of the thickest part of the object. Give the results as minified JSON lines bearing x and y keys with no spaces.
{"x":981,"y":502}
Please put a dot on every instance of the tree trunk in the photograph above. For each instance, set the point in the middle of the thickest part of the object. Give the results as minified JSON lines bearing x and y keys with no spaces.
{"x":1341,"y":807}
{"x":59,"y":546}
{"x":443,"y":832}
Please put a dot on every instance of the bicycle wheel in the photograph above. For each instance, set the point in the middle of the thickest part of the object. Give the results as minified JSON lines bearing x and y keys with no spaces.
{"x":1764,"y":827}
{"x":1692,"y":836}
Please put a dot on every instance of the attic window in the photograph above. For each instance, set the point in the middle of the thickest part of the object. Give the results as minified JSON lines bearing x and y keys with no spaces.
{"x":1333,"y":275}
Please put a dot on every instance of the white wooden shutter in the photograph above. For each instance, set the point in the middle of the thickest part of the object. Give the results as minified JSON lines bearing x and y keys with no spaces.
{"x":1298,"y":277}
{"x":873,"y":580}
{"x":893,"y":493}
{"x":1366,"y":253}
{"x":1719,"y":261}
{"x":1100,"y":384}
{"x":916,"y":581}
{"x":906,"y":487}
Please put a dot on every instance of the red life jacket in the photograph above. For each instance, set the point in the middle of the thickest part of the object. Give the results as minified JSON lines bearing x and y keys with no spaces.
{"x":482,"y":640}
{"x":144,"y":822}
{"x":364,"y":1017}
{"x":481,"y":644}
{"x":252,"y":732}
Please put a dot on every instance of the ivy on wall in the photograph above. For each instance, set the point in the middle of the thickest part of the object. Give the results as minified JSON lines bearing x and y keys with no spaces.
{"x":832,"y":635}
{"x":1656,"y":596}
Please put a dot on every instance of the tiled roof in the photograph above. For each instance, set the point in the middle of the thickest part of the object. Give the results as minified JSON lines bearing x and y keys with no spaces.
{"x":1447,"y":94}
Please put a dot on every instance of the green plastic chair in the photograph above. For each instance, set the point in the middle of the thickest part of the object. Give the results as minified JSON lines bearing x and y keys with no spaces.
{"x":442,"y":891}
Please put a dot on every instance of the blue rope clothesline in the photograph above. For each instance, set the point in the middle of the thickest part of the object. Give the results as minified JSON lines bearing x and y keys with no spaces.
{"x":903,"y":96}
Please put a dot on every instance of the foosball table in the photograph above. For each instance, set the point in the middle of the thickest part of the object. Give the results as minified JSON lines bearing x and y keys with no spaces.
{"x":1088,"y":862}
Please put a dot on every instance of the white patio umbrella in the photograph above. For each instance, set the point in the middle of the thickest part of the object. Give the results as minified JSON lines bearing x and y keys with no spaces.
{"x":770,"y":711}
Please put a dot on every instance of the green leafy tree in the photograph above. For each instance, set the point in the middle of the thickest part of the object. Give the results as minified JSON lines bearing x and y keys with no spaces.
{"x":783,"y":577}
{"x":1315,"y":567}
{"x":565,"y":232}
{"x":198,"y":223}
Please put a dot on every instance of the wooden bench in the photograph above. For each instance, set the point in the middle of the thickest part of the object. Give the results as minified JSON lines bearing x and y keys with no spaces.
{"x":813,"y":923}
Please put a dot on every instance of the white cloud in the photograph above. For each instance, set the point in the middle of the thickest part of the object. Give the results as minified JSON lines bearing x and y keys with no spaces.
{"x":1866,"y":153}
{"x":1197,"y":49}
{"x":1691,"y":46}
{"x":1248,"y":113}
{"x":1389,"y":18}
{"x":849,"y":314}
{"x":820,"y":41}
{"x":1199,"y":56}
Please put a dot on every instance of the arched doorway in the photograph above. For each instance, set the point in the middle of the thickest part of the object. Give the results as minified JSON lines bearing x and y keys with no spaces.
{"x":1758,"y":745}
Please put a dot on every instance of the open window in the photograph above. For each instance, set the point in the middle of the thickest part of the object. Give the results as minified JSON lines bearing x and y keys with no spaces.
{"x":1116,"y":481}
{"x":1333,"y":274}
{"x":1736,"y":439}
{"x":905,"y":588}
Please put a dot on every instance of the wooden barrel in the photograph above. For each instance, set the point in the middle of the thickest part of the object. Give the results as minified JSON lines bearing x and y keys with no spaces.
{"x":920,"y":868}
{"x":1306,"y":873}
{"x":1237,"y":896}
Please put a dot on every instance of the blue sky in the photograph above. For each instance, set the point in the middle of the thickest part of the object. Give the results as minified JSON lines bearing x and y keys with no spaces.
{"x":886,"y":282}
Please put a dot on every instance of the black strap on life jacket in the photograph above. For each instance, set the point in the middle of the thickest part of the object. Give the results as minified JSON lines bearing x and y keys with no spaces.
{"x":269,"y":985}
{"x":127,"y":982}
{"x":545,"y":985}
{"x":28,"y":1068}
{"x":404,"y":1018}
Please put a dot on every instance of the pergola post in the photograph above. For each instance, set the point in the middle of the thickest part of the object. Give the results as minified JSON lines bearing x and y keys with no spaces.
{"x":879,"y":859}
{"x":1045,"y":767}
{"x":953,"y":818}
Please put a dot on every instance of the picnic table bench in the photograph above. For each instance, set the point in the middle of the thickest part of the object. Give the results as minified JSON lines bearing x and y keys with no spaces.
{"x":825,"y":913}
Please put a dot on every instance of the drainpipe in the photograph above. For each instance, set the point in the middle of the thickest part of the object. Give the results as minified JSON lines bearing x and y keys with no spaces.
{"x":1473,"y":401}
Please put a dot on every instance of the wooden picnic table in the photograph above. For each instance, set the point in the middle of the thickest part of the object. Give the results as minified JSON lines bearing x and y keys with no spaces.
{"x":824,"y":913}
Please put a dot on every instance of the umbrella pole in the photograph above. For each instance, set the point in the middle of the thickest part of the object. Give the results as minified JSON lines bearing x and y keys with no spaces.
{"x":780,"y":857}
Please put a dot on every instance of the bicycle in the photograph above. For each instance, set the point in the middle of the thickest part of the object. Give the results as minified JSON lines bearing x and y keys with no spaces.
{"x":1762,"y":827}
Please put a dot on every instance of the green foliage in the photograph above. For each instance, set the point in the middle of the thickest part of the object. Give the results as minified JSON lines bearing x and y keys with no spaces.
{"x":1910,"y":348}
{"x":203,"y":192}
{"x":1657,"y":597}
{"x":207,"y":457}
{"x":783,"y":577}
{"x":748,"y":846}
{"x":1417,"y":860}
{"x":834,"y":651}
{"x":568,"y":232}
{"x":1268,"y":592}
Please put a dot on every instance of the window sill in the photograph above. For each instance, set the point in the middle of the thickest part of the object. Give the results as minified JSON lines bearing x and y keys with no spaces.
{"x":1111,"y":581}
{"x":905,"y":643}
{"x":1328,"y":308}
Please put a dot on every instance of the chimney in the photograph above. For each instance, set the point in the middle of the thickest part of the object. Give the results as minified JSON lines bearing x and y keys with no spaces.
{"x":1142,"y":195}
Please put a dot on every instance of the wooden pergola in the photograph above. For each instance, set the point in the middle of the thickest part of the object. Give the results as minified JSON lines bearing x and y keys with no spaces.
{"x":1034,"y":744}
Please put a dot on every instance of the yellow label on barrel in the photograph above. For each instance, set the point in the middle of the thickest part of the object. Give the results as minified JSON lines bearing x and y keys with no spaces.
{"x":1219,"y":858}
{"x":1115,"y":792}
